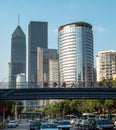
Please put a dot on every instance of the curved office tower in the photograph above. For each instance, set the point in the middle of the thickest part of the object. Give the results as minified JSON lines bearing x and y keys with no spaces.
{"x":18,"y":56}
{"x":76,"y":62}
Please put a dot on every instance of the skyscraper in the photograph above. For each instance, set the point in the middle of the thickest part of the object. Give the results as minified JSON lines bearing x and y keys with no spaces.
{"x":18,"y":56}
{"x":76,"y":60}
{"x":38,"y":37}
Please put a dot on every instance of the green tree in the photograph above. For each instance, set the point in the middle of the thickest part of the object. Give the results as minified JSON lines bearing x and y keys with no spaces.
{"x":19,"y":107}
{"x":114,"y":83}
{"x":76,"y":107}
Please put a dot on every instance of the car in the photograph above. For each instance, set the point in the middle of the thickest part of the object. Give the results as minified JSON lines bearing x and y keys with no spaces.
{"x":115,"y":123}
{"x":78,"y":122}
{"x":12,"y":123}
{"x":48,"y":126}
{"x":102,"y":124}
{"x":72,"y":121}
{"x":114,"y":127}
{"x":17,"y":123}
{"x":64,"y":125}
{"x":35,"y":126}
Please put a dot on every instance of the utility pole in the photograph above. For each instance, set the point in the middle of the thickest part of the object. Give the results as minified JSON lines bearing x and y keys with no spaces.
{"x":3,"y":114}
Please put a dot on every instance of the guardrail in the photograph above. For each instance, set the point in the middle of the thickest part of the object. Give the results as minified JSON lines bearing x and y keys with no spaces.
{"x":57,"y":93}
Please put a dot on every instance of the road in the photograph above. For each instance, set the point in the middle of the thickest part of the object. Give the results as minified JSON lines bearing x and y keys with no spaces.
{"x":24,"y":126}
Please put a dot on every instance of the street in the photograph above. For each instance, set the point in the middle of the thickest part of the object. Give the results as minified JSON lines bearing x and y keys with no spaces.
{"x":24,"y":126}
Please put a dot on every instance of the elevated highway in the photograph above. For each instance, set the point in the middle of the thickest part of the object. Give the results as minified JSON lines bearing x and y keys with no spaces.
{"x":57,"y":93}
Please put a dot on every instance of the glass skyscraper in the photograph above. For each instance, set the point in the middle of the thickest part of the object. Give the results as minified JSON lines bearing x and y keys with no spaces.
{"x":18,"y":56}
{"x":76,"y":60}
{"x":38,"y":37}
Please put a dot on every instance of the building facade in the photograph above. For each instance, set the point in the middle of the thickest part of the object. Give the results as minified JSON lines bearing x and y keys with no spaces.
{"x":52,"y":54}
{"x":76,"y":60}
{"x":21,"y":81}
{"x":18,"y":56}
{"x":106,"y":65}
{"x":53,"y":68}
{"x":42,"y":67}
{"x":38,"y":37}
{"x":53,"y":73}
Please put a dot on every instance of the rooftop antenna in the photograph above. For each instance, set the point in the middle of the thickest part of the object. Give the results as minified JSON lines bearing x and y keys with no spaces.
{"x":18,"y":19}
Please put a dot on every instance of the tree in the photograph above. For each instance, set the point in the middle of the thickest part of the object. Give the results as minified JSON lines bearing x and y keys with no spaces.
{"x":114,"y":83}
{"x":19,"y":107}
{"x":76,"y":107}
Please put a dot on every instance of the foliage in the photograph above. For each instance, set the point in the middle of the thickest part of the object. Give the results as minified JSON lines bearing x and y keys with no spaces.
{"x":19,"y":107}
{"x":76,"y":107}
{"x":10,"y":105}
{"x":114,"y":83}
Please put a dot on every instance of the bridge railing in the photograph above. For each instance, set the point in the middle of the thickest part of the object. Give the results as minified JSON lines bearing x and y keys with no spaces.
{"x":55,"y":84}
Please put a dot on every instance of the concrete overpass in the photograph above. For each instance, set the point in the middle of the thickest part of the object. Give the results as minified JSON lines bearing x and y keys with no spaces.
{"x":57,"y":93}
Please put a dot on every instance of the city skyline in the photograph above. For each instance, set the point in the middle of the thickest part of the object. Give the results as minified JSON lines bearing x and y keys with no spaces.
{"x":100,"y":14}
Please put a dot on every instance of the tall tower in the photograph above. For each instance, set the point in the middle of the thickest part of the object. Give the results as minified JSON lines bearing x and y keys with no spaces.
{"x":76,"y":59}
{"x":18,"y":55}
{"x":38,"y":37}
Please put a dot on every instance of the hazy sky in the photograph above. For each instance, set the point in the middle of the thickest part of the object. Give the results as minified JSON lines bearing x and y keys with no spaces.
{"x":101,"y":14}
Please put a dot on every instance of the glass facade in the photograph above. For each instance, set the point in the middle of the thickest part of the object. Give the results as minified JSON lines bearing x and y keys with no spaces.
{"x":18,"y":56}
{"x":76,"y":54}
{"x":38,"y":37}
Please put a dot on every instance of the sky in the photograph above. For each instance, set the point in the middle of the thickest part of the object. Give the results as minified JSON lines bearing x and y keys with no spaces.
{"x":101,"y":14}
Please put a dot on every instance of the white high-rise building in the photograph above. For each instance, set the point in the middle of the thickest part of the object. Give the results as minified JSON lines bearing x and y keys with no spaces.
{"x":76,"y":60}
{"x":53,"y":73}
{"x":106,"y":65}
{"x":53,"y":68}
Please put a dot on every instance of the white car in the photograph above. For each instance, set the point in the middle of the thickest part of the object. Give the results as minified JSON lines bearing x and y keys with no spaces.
{"x":84,"y":122}
{"x":115,"y":123}
{"x":64,"y":124}
{"x":12,"y":123}
{"x":72,"y":121}
{"x":48,"y":126}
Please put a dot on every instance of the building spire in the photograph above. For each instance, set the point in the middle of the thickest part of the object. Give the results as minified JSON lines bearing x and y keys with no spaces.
{"x":18,"y":19}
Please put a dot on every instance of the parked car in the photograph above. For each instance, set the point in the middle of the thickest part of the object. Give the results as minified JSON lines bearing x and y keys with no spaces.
{"x":35,"y":126}
{"x":12,"y":123}
{"x":102,"y":124}
{"x":48,"y":126}
{"x":115,"y":123}
{"x":86,"y":117}
{"x":114,"y":127}
{"x":64,"y":125}
{"x":72,"y":121}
